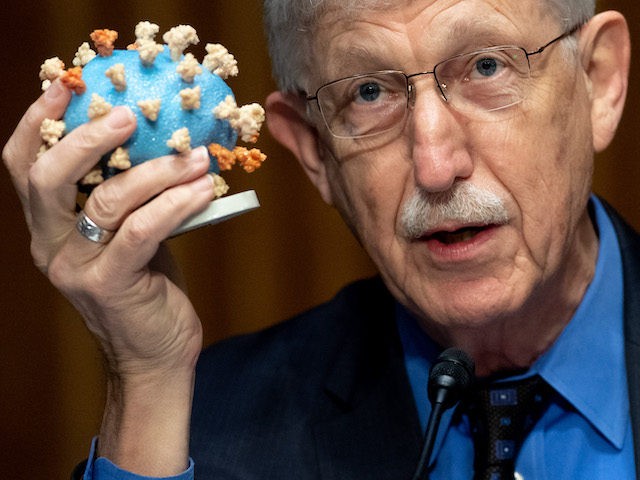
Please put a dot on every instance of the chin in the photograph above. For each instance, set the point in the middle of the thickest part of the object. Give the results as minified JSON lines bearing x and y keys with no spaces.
{"x":464,"y":308}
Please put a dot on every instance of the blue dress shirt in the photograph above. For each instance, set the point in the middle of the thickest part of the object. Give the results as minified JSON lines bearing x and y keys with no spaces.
{"x":103,"y":469}
{"x":585,"y":436}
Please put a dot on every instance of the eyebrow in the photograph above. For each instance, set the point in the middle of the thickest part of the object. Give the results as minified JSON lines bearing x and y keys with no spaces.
{"x":482,"y":33}
{"x":359,"y":55}
{"x":373,"y":56}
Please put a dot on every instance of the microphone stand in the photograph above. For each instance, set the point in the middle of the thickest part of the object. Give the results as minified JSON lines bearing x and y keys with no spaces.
{"x":449,"y":378}
{"x":429,"y":440}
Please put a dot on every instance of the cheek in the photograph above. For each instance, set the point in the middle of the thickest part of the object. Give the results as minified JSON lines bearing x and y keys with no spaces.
{"x":368,"y":189}
{"x":547,"y":175}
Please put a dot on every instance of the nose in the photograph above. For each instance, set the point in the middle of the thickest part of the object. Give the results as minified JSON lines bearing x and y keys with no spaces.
{"x":440,"y":151}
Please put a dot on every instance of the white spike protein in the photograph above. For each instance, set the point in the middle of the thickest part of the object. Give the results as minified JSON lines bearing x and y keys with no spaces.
{"x":172,"y":95}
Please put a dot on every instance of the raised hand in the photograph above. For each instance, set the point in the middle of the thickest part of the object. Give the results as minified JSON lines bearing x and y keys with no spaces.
{"x":146,"y":326}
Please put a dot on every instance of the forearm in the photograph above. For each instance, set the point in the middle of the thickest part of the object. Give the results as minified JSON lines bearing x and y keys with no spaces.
{"x":145,"y":324}
{"x":145,"y":428}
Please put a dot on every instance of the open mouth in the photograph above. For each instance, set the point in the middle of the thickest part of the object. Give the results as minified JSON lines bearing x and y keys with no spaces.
{"x":457,"y":236}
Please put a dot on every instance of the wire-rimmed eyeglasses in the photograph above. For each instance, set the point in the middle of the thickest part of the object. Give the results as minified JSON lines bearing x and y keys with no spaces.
{"x":486,"y":80}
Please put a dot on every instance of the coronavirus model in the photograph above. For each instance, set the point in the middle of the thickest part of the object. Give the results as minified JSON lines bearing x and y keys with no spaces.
{"x":179,"y":103}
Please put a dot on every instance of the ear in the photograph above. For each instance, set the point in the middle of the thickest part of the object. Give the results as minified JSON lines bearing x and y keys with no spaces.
{"x":288,"y":124}
{"x":605,"y":49}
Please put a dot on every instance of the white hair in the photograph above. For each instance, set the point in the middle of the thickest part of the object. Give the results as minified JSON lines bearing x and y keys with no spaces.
{"x":464,"y":203}
{"x":290,"y":26}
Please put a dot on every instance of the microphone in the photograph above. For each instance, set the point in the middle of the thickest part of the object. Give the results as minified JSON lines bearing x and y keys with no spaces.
{"x":449,"y":378}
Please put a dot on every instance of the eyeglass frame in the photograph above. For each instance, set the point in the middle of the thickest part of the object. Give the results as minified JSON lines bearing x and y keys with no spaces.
{"x":410,"y":87}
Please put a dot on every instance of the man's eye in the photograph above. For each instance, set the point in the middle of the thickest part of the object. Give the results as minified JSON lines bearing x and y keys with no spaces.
{"x":487,"y":66}
{"x":369,"y":92}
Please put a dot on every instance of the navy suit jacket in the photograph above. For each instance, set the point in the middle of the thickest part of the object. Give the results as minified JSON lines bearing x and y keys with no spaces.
{"x":326,"y":395}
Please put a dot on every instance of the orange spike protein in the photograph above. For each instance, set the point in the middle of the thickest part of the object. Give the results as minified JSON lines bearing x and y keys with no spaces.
{"x":104,"y":41}
{"x":72,"y":79}
{"x":178,"y":102}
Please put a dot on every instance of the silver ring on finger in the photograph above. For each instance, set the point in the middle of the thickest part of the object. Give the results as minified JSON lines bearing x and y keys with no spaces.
{"x":91,"y":230}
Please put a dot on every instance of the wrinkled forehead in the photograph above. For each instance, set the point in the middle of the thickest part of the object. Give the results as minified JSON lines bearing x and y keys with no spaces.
{"x":345,"y":12}
{"x":383,"y":34}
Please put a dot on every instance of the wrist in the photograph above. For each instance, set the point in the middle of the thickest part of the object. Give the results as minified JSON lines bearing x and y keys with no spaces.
{"x":145,"y":428}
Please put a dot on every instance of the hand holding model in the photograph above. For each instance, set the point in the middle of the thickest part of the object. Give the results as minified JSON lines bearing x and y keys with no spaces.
{"x":122,"y":280}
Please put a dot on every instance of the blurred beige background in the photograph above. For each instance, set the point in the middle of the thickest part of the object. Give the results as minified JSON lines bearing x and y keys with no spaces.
{"x":244,"y":274}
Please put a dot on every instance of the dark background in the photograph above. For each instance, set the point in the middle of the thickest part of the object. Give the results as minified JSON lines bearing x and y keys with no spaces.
{"x":244,"y":274}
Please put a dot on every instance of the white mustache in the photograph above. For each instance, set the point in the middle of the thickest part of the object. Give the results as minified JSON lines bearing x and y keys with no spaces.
{"x":464,"y":203}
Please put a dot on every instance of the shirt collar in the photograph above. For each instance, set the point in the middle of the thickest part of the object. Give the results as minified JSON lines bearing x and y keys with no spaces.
{"x":586,"y":363}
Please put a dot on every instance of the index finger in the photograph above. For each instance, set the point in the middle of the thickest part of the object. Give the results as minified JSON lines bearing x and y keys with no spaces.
{"x":21,"y":151}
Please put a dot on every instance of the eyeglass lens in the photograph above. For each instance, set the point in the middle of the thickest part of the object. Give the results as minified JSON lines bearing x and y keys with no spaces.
{"x":477,"y":83}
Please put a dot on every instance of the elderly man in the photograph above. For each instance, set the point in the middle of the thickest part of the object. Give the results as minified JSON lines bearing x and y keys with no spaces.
{"x":456,"y":139}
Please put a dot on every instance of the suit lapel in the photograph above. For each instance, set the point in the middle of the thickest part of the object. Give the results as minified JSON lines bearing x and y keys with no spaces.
{"x":630,"y":249}
{"x":368,"y":395}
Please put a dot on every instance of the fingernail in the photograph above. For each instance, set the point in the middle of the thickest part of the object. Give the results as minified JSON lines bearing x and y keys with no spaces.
{"x":205,"y":183}
{"x":119,"y":117}
{"x":200,"y":154}
{"x":54,"y":91}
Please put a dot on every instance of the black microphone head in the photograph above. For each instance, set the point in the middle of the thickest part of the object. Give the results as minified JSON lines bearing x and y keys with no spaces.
{"x":450,"y":376}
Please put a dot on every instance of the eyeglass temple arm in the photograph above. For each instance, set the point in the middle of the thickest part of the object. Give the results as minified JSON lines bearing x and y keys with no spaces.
{"x":307,"y":96}
{"x":568,"y":33}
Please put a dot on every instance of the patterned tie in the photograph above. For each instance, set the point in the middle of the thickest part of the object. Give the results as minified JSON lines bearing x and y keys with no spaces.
{"x":501,"y":416}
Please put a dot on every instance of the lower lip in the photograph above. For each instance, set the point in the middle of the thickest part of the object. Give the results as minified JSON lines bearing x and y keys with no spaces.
{"x":461,"y":251}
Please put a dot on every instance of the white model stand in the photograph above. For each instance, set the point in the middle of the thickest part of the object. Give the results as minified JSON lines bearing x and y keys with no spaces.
{"x":220,"y":210}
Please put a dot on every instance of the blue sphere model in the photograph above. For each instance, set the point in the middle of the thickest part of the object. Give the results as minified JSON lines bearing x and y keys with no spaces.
{"x":179,"y":103}
{"x":157,"y":81}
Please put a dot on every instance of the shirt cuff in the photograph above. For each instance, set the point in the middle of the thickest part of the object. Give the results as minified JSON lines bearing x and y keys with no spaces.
{"x":103,"y":469}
